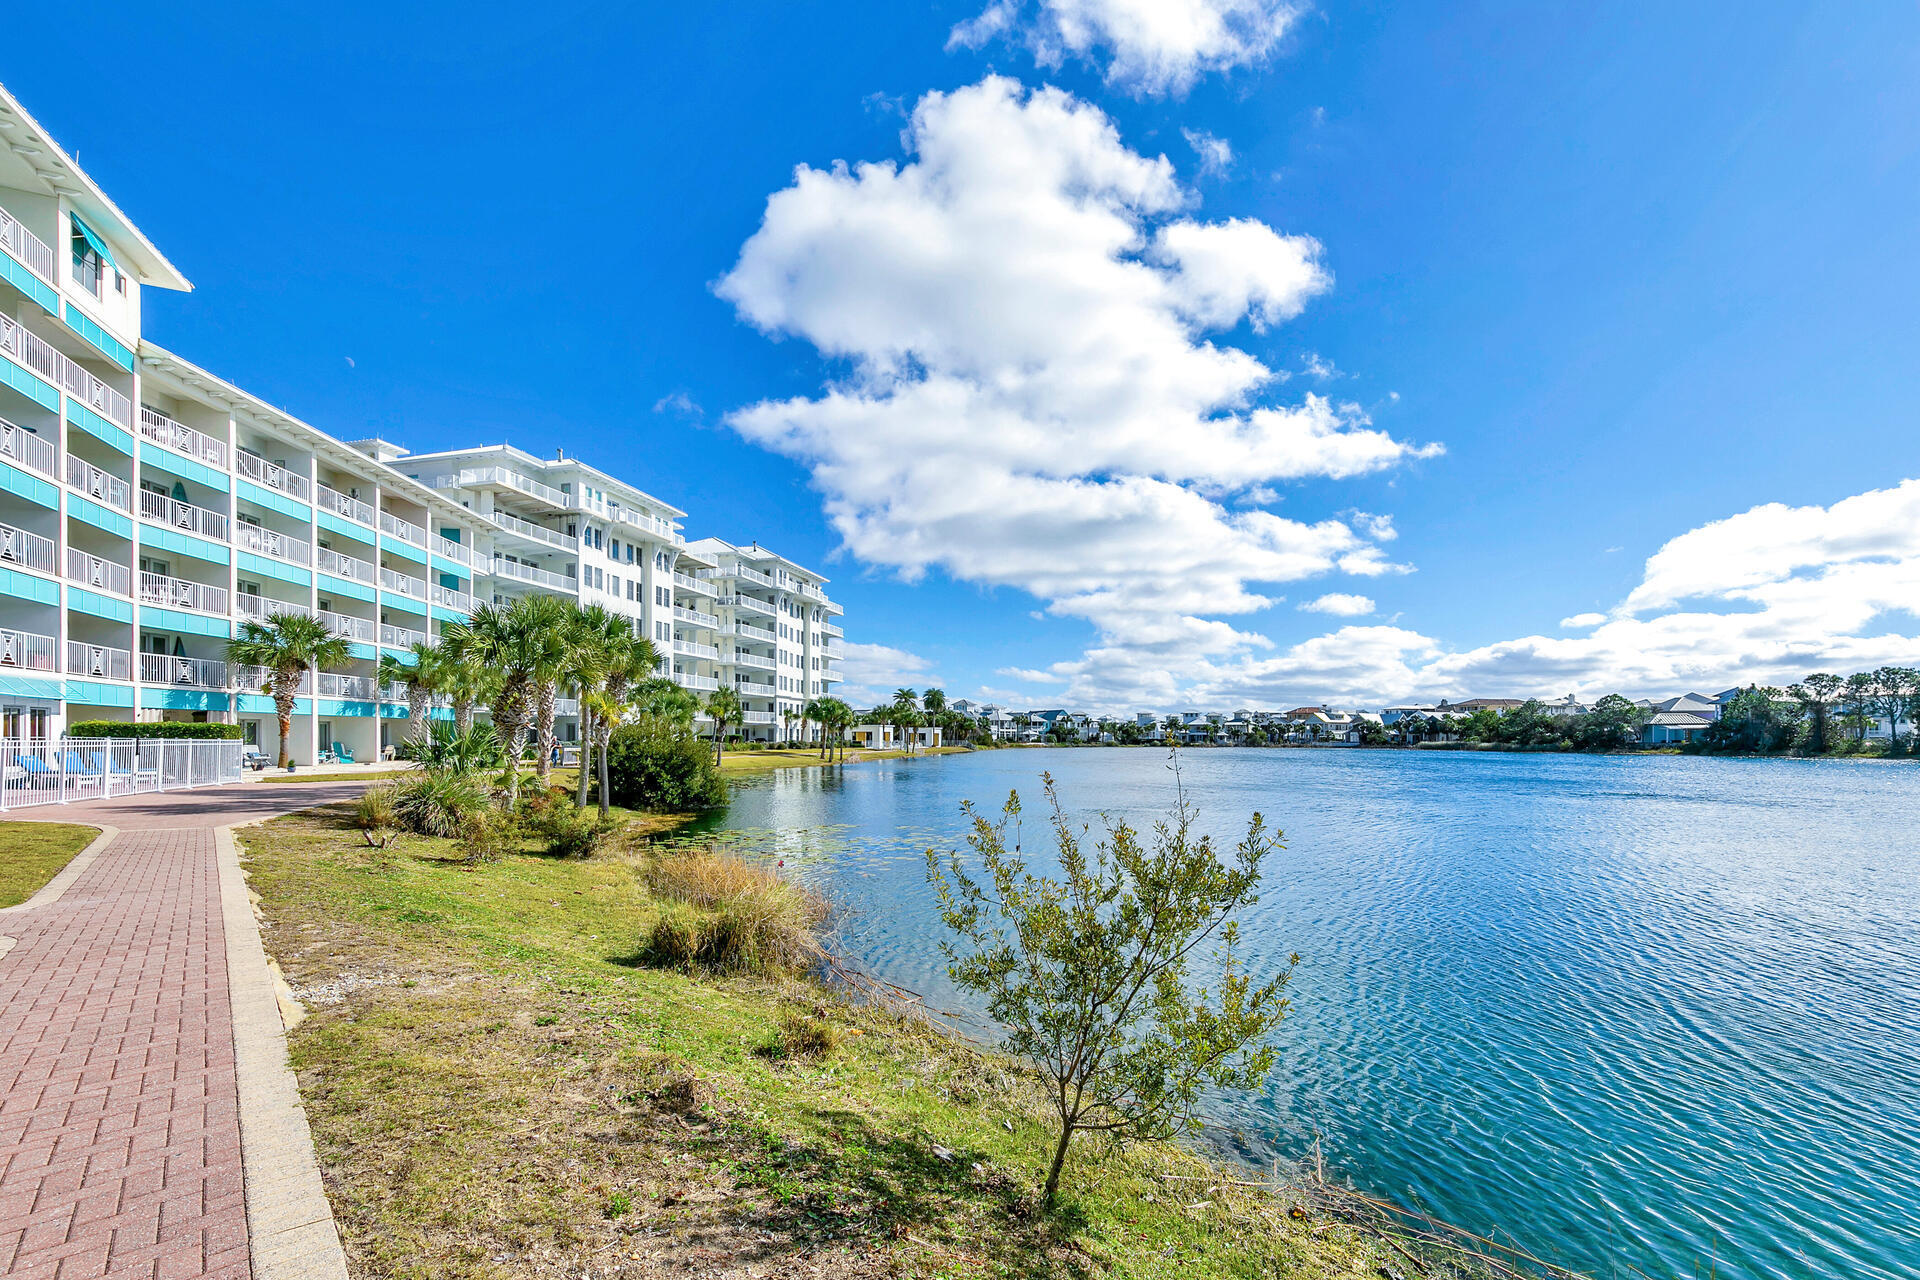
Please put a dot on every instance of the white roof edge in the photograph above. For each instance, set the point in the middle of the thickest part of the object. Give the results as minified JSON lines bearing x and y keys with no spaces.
{"x":98,"y":207}
{"x":754,"y":550}
{"x":543,"y":463}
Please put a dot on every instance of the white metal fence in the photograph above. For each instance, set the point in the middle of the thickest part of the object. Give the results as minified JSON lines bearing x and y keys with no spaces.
{"x":70,"y":769}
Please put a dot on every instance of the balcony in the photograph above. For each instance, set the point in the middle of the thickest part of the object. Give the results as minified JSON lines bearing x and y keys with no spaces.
{"x":101,"y":486}
{"x":342,"y":504}
{"x":830,"y":631}
{"x":260,"y":471}
{"x":17,"y":444}
{"x":687,"y":680}
{"x":646,"y":523}
{"x":758,"y":688}
{"x":690,"y":649}
{"x":401,"y":584}
{"x":260,"y":608}
{"x":25,"y":651}
{"x":193,"y":673}
{"x":500,"y":477}
{"x":161,"y":509}
{"x":402,"y":529}
{"x":448,"y":549}
{"x":695,"y":618}
{"x":748,"y":631}
{"x":95,"y":394}
{"x":359,"y":688}
{"x":566,"y":706}
{"x":741,"y":659}
{"x":812,"y":592}
{"x":741,"y":572}
{"x":760,"y":717}
{"x":98,"y":661}
{"x":98,"y":572}
{"x":177,"y":593}
{"x":400,"y":637}
{"x":448,"y":598}
{"x":504,"y":568}
{"x":28,"y":550}
{"x":528,"y":529}
{"x":693,"y":584}
{"x":749,"y":604}
{"x":266,"y":542}
{"x":27,"y":248}
{"x":259,"y":680}
{"x":30,"y":350}
{"x":182,"y":439}
{"x":327,"y":560}
{"x":345,"y":624}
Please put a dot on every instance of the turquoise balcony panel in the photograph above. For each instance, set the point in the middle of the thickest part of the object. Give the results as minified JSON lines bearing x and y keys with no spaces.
{"x":186,"y":468}
{"x":184,"y":544}
{"x":28,"y":283}
{"x":44,"y":394}
{"x":81,"y":601}
{"x":187,"y":623}
{"x":336,"y":707}
{"x":251,"y":564}
{"x":448,"y":615}
{"x":448,"y":569}
{"x":332,"y":586}
{"x":94,"y":693}
{"x":108,"y":345}
{"x":24,"y":586}
{"x":347,"y":528}
{"x":274,"y":501}
{"x":98,"y":516}
{"x":21,"y":484}
{"x":364,"y":651}
{"x":13,"y":686}
{"x":78,"y":415}
{"x":404,"y":549}
{"x":183,"y":699}
{"x":261,"y":704}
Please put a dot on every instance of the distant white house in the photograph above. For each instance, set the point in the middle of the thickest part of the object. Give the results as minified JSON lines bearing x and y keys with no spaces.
{"x":890,"y":737}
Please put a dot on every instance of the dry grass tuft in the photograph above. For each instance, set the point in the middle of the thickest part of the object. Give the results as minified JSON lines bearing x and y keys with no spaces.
{"x":727,"y":914}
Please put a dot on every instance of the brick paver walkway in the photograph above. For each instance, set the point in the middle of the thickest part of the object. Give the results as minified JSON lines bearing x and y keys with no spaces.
{"x":119,"y":1116}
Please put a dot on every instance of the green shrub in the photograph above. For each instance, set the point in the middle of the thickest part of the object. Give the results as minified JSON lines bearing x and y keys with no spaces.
{"x":374,"y":813}
{"x":664,"y":769}
{"x":804,"y":1037}
{"x":176,"y":729}
{"x":486,"y":836}
{"x":447,"y":750}
{"x":439,"y":804}
{"x":569,"y":831}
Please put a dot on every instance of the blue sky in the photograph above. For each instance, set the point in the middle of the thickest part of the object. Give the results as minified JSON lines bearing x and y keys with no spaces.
{"x":1637,"y":271}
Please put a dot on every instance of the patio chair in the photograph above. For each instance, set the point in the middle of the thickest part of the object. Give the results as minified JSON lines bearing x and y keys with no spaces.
{"x":79,"y":776}
{"x":36,"y":772}
{"x":342,"y":753}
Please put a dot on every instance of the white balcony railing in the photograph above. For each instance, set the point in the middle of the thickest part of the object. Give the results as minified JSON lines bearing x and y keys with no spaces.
{"x":695,"y":618}
{"x":25,"y":651}
{"x":28,"y":550}
{"x":259,"y":679}
{"x":177,"y":593}
{"x":400,"y":637}
{"x":362,"y":688}
{"x":448,"y":598}
{"x":30,"y":349}
{"x":161,"y":509}
{"x":504,"y":568}
{"x":812,"y":592}
{"x":31,"y":251}
{"x":748,"y":631}
{"x":268,"y":542}
{"x":17,"y":444}
{"x":263,"y":607}
{"x":98,"y":572}
{"x":448,"y":549}
{"x":749,"y":604}
{"x":687,"y":680}
{"x":259,"y":470}
{"x":693,"y":584}
{"x":343,"y":504}
{"x":95,"y":394}
{"x":197,"y":673}
{"x":741,"y":572}
{"x":477,"y":477}
{"x":692,"y":649}
{"x":759,"y":717}
{"x":401,"y":529}
{"x":741,"y":659}
{"x":759,"y":688}
{"x":345,"y":624}
{"x":101,"y":486}
{"x":831,"y":631}
{"x":528,"y":529}
{"x":98,"y":661}
{"x":327,"y":560}
{"x":566,"y":706}
{"x":402,"y":584}
{"x":645,"y":523}
{"x":177,"y":436}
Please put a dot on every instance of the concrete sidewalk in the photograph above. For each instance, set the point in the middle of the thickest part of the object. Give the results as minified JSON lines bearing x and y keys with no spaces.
{"x":127,"y":999}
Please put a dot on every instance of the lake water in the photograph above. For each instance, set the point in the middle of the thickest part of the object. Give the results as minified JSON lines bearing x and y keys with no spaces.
{"x":1655,"y":1015}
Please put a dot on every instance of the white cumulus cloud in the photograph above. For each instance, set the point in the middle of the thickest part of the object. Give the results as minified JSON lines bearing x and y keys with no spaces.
{"x":873,"y":671}
{"x":1340,"y":603}
{"x":1581,"y":621}
{"x":1216,"y":154}
{"x":1150,"y":47}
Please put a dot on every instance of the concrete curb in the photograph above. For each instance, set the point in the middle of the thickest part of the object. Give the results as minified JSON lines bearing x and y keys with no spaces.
{"x":289,"y":1223}
{"x":50,"y":891}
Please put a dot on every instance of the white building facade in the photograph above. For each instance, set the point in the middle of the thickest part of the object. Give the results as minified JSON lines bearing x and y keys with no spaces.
{"x":147,"y":506}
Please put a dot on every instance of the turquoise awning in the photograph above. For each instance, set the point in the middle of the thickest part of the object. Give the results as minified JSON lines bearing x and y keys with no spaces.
{"x":92,"y":237}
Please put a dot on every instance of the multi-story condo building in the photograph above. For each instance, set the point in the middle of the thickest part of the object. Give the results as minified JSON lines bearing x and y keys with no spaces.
{"x":146,"y":506}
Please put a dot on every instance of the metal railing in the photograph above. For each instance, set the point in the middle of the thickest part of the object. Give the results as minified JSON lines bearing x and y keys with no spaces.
{"x":17,"y":444}
{"x":267,"y":542}
{"x":26,"y":650}
{"x":35,"y":773}
{"x":400,"y":637}
{"x":528,"y":529}
{"x":360,"y":688}
{"x":476,"y":476}
{"x":98,"y":572}
{"x":693,"y":584}
{"x":255,"y":467}
{"x":343,"y":504}
{"x":504,"y":568}
{"x":162,"y":509}
{"x":327,"y":560}
{"x":259,"y":680}
{"x":28,"y":550}
{"x":693,"y":650}
{"x":29,"y":248}
{"x":99,"y":661}
{"x":741,"y":659}
{"x":449,"y":598}
{"x":402,"y":529}
{"x":30,"y":349}
{"x":345,"y":624}
{"x":402,"y":584}
{"x":95,"y":394}
{"x":178,"y":593}
{"x":263,"y":607}
{"x":448,"y":549}
{"x":687,"y":680}
{"x":179,"y":437}
{"x":101,"y":486}
{"x":197,"y":673}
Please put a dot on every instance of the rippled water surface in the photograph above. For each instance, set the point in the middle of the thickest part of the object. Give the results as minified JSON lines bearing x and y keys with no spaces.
{"x":1653,"y":1016}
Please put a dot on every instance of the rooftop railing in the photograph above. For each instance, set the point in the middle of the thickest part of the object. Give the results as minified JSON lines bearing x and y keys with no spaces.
{"x":177,"y":593}
{"x":181,"y":438}
{"x":29,"y":249}
{"x":26,"y":549}
{"x":475,"y":477}
{"x":101,"y":486}
{"x":162,"y":509}
{"x":17,"y":444}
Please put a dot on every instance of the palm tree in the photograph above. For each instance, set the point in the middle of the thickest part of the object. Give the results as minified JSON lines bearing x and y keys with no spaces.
{"x":723,"y":704}
{"x":631,"y":664}
{"x":286,"y":646}
{"x":904,"y":701}
{"x":550,"y":623}
{"x":515,"y":644}
{"x":816,"y":712}
{"x":468,"y":684}
{"x":425,"y":676}
{"x":934,"y":702}
{"x":838,"y":716}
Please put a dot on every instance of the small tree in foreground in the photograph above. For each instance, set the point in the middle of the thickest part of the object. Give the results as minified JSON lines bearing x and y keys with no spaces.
{"x":1089,"y":975}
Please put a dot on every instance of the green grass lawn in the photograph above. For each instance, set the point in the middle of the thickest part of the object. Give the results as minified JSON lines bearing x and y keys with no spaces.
{"x":499,"y":1087}
{"x":32,"y":853}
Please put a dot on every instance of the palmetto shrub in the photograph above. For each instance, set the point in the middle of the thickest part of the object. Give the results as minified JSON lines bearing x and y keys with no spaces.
{"x":439,"y":804}
{"x":447,"y":750}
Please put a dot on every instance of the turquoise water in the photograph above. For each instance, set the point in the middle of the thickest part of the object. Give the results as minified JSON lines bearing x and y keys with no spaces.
{"x":1644,"y":1016}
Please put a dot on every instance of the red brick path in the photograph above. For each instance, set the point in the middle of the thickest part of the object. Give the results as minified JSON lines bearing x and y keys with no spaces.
{"x":119,"y":1117}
